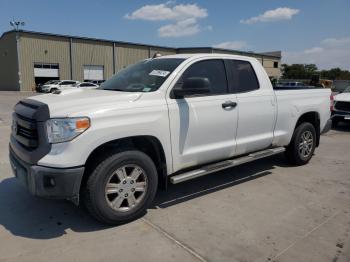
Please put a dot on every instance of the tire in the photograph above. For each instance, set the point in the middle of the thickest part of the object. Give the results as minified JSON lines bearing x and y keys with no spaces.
{"x":107,"y":204}
{"x":295,"y":150}
{"x":53,"y":90}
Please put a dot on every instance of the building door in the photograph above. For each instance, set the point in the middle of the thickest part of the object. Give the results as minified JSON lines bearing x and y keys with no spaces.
{"x":44,"y":72}
{"x":93,"y":73}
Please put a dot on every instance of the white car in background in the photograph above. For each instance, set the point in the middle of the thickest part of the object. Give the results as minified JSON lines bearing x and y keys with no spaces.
{"x":341,"y":109}
{"x":60,"y":85}
{"x":87,"y":85}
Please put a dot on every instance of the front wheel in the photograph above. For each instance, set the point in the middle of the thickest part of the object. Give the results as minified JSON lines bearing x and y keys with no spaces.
{"x":121,"y":187}
{"x":302,"y":145}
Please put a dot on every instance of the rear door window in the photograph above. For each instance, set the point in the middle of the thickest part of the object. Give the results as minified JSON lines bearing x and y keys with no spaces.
{"x":242,"y":76}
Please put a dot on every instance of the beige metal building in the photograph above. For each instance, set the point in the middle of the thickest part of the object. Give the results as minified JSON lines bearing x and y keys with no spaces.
{"x":29,"y":58}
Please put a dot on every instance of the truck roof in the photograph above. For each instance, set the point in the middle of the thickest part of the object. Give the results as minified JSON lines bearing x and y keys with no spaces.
{"x":204,"y":55}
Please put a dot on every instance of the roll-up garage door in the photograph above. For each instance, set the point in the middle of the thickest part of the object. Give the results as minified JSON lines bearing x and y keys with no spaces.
{"x":46,"y":70}
{"x":93,"y":72}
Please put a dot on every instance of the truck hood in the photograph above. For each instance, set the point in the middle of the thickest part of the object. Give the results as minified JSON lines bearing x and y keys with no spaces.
{"x":345,"y":97}
{"x":85,"y":102}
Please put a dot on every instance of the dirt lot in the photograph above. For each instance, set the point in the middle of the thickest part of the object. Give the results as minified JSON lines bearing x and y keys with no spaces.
{"x":262,"y":211}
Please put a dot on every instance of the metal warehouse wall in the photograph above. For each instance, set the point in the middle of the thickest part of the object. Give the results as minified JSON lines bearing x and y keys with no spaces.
{"x":194,"y":50}
{"x":163,"y":51}
{"x":8,"y":63}
{"x":270,"y":70}
{"x":44,"y":49}
{"x":88,"y":52}
{"x":129,"y":54}
{"x":62,"y":50}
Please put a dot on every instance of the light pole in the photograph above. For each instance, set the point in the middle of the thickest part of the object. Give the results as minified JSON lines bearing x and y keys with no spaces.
{"x":16,"y":26}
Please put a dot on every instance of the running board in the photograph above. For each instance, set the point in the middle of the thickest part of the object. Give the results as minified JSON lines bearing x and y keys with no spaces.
{"x":205,"y":170}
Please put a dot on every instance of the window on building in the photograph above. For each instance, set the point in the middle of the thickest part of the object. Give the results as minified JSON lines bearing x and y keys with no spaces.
{"x":275,"y":64}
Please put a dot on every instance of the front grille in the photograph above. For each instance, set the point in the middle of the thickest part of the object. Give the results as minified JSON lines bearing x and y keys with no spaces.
{"x":342,"y":106}
{"x":28,"y":137}
{"x":26,"y":132}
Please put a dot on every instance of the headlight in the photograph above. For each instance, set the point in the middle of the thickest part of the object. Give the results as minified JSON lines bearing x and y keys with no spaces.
{"x":65,"y":129}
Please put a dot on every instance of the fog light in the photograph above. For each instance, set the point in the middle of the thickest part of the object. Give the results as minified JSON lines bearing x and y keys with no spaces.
{"x":49,"y":182}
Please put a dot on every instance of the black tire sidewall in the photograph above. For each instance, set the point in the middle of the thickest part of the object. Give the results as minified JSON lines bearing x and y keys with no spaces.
{"x":298,"y":159}
{"x":105,"y":169}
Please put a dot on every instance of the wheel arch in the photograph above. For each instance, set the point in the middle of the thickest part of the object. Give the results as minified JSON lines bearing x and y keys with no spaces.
{"x":312,"y":117}
{"x":149,"y":145}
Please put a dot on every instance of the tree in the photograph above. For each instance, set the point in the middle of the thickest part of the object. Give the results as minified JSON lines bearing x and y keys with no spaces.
{"x":301,"y":71}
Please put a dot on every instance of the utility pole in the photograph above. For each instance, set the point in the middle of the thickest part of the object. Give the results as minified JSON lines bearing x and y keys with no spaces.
{"x":16,"y":26}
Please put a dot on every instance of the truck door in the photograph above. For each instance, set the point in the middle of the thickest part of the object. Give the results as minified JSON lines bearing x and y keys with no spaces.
{"x":255,"y":106}
{"x":203,"y":126}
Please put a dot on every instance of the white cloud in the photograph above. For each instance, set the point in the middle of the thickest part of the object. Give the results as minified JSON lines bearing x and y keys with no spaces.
{"x":235,"y":45}
{"x":163,"y":12}
{"x":184,"y":18}
{"x":281,"y":13}
{"x":314,"y":50}
{"x":333,"y":42}
{"x":182,"y":28}
{"x":331,"y":52}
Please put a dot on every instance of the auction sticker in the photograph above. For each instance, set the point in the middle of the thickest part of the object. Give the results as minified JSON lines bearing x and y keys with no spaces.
{"x":160,"y":73}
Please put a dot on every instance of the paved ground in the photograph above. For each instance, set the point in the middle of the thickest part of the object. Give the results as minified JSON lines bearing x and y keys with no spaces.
{"x":265,"y":211}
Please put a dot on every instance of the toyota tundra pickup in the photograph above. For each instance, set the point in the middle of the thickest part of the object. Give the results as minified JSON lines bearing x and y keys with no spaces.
{"x":167,"y":119}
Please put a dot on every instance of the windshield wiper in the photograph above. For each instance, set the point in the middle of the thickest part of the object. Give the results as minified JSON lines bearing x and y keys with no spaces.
{"x":116,"y":89}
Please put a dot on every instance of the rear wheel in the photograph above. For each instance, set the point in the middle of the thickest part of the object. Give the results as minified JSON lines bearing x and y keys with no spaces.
{"x":302,"y":145}
{"x":121,"y":187}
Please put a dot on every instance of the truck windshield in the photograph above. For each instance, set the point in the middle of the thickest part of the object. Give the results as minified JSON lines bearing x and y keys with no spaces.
{"x":145,"y":76}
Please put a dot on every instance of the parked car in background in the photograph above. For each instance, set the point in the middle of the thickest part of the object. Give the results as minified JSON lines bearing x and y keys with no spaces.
{"x":291,"y":85}
{"x":60,"y":85}
{"x":167,"y":119}
{"x":50,"y":82}
{"x":97,"y":82}
{"x":87,"y":85}
{"x":341,"y":108}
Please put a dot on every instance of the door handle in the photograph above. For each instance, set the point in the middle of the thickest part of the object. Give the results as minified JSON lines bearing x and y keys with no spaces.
{"x":229,"y":105}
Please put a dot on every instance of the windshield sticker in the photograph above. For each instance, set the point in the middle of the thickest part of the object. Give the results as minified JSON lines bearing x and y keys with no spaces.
{"x":146,"y":89}
{"x":160,"y":73}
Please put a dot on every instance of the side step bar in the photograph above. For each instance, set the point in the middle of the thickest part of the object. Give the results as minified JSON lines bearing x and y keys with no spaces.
{"x":205,"y":170}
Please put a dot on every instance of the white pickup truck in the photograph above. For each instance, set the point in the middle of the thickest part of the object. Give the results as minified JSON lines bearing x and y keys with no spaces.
{"x":167,"y":119}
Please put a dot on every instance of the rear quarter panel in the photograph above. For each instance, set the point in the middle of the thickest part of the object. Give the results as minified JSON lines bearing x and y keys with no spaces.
{"x":292,"y":104}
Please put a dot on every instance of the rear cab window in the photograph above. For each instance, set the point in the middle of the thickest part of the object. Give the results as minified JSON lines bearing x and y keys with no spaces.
{"x":242,"y":76}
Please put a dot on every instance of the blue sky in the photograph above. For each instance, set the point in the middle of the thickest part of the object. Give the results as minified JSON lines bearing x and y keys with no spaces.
{"x":309,"y":31}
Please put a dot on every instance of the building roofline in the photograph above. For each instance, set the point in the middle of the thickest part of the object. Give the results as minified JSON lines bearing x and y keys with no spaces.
{"x":86,"y":38}
{"x":240,"y":52}
{"x":267,"y":54}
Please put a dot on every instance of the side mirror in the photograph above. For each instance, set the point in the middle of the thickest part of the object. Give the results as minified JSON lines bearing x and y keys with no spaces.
{"x":191,"y":86}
